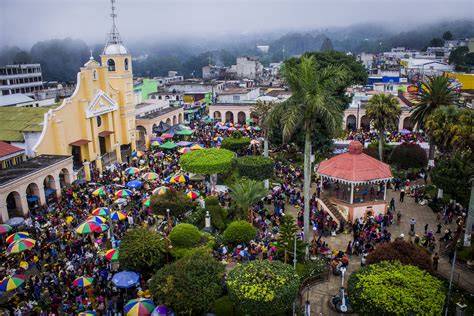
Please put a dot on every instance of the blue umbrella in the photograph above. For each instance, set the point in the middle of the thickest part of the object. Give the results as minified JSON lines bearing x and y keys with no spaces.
{"x":125,"y":279}
{"x":160,"y":310}
{"x":15,"y":221}
{"x":134,"y":184}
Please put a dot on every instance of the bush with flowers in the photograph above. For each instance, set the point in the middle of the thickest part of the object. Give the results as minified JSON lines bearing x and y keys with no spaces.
{"x":263,"y":287}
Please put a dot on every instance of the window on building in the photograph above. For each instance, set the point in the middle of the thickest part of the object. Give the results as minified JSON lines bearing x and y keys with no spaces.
{"x":99,"y":121}
{"x":111,"y":64}
{"x":236,"y":98}
{"x":126,"y":64}
{"x":94,"y":74}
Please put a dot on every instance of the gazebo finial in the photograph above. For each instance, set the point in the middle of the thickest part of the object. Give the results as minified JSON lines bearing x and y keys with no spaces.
{"x":355,"y":147}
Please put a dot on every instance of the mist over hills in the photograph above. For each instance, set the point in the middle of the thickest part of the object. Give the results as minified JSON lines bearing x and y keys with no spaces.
{"x":61,"y":58}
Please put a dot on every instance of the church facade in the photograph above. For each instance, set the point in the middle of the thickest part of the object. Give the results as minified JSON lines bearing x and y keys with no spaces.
{"x":98,"y":121}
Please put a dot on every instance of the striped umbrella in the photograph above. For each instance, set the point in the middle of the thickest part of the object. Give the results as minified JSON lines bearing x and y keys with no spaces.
{"x":150,"y":176}
{"x":123,"y":193}
{"x":21,"y":245}
{"x":218,"y":139}
{"x":112,"y":254}
{"x":138,"y":154}
{"x":168,"y":180}
{"x":196,"y":147}
{"x":5,"y":228}
{"x":100,"y":192}
{"x":180,"y":179}
{"x":118,"y":216}
{"x":159,"y":191}
{"x":98,"y":219}
{"x":166,"y":136}
{"x":102,"y":228}
{"x":83,"y":281}
{"x":132,"y":171}
{"x":185,"y":150}
{"x":87,"y":313}
{"x":139,"y":307}
{"x":147,"y":202}
{"x":193,"y":194}
{"x":101,"y":211}
{"x":12,"y":282}
{"x":16,"y":236}
{"x":88,"y":227}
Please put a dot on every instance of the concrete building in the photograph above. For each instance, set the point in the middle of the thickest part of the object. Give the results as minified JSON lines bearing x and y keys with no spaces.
{"x":238,"y":95}
{"x":25,"y":78}
{"x":211,"y":72}
{"x":171,"y":78}
{"x":196,"y":86}
{"x":423,"y":67}
{"x":231,"y":112}
{"x":147,"y":123}
{"x":22,"y":100}
{"x":248,"y":67}
{"x":10,"y":155}
{"x":143,"y":88}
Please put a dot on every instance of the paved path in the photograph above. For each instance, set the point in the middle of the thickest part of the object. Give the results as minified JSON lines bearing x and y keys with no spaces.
{"x":319,"y":294}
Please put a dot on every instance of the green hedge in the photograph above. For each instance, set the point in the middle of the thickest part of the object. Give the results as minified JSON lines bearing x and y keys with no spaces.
{"x":208,"y":161}
{"x":239,"y":232}
{"x":408,"y":155}
{"x":256,"y":167}
{"x":185,"y":235}
{"x":234,"y":143}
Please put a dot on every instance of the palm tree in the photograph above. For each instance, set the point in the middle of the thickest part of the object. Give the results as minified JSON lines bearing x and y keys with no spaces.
{"x":245,"y":194}
{"x":434,"y":93}
{"x":314,"y":98}
{"x":261,"y":110}
{"x":383,"y":111}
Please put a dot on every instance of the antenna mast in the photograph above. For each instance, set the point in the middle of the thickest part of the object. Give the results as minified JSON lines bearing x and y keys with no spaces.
{"x":114,"y":35}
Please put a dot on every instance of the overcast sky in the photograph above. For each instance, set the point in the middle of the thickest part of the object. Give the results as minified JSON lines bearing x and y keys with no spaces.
{"x":24,"y":22}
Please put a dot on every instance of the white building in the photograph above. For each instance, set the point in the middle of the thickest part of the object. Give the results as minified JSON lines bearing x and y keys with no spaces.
{"x":26,"y":78}
{"x":423,"y":67}
{"x":171,"y":78}
{"x":238,"y":95}
{"x":22,"y":100}
{"x":194,"y":86}
{"x":248,"y":67}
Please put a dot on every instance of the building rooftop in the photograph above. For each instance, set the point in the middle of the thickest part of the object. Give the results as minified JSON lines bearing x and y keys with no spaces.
{"x":233,"y":104}
{"x":28,"y":167}
{"x":14,"y":99}
{"x":157,"y":113}
{"x":16,"y":120}
{"x":7,"y":149}
{"x":235,"y":91}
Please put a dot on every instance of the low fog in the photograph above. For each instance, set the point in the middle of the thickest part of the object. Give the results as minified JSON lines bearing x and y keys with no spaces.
{"x":24,"y":22}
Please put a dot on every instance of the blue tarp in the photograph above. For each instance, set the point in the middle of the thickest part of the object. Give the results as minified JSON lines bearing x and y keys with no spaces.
{"x":49,"y":191}
{"x":32,"y":199}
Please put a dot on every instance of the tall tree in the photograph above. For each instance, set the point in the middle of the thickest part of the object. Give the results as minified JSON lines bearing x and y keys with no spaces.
{"x":447,"y":36}
{"x":326,"y":46}
{"x":261,"y":111}
{"x":383,"y":111}
{"x":245,"y":194}
{"x":434,"y":93}
{"x":315,"y":97}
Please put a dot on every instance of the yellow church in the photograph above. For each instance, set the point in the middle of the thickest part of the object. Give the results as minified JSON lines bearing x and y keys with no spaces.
{"x":97,"y":122}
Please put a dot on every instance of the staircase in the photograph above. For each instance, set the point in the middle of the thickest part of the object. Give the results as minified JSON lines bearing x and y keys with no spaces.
{"x":331,"y":209}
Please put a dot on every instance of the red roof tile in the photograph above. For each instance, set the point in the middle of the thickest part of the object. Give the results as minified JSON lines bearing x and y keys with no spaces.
{"x":354,"y":166}
{"x":7,"y":149}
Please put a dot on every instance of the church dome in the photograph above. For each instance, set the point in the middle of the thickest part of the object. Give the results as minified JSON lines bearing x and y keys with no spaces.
{"x":115,"y":49}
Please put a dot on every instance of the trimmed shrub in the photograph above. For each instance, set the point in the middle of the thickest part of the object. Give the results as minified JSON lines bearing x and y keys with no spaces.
{"x":390,"y":288}
{"x":218,"y":214}
{"x":190,"y":285}
{"x":235,"y":143}
{"x":408,"y":155}
{"x":404,"y":252}
{"x":208,"y":161}
{"x":239,"y":232}
{"x":315,"y":269}
{"x":185,"y":236}
{"x":142,"y":250}
{"x":176,"y":201}
{"x":211,"y":200}
{"x":256,"y":285}
{"x":256,"y":167}
{"x":223,"y":307}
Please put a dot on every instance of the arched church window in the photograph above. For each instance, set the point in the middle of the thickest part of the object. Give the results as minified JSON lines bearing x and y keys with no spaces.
{"x":111,"y":64}
{"x":126,"y":63}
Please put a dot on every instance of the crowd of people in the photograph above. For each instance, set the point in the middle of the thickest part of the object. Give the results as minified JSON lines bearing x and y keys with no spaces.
{"x":403,"y":136}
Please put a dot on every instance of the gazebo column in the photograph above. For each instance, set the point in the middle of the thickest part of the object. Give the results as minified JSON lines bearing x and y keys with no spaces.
{"x":385,"y":191}
{"x":352,"y":193}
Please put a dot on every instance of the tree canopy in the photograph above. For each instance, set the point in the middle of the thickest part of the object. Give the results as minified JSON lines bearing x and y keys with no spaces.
{"x":408,"y":155}
{"x":208,"y":161}
{"x":176,"y":201}
{"x":255,"y":167}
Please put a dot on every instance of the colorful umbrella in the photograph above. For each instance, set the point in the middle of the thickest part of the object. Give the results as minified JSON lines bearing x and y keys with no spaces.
{"x":102,"y":228}
{"x":159,"y":154}
{"x":125,"y":279}
{"x":118,"y":216}
{"x":5,"y":228}
{"x":185,"y":132}
{"x":21,"y":245}
{"x":166,"y":136}
{"x":218,"y":139}
{"x":159,"y":191}
{"x":185,"y":150}
{"x":139,"y":307}
{"x":168,"y":145}
{"x":97,"y":219}
{"x":155,"y":143}
{"x":138,"y":154}
{"x":101,"y":211}
{"x":87,"y":313}
{"x":254,"y":142}
{"x":112,"y":254}
{"x":257,"y":128}
{"x":134,"y":184}
{"x":88,"y":227}
{"x":100,"y":192}
{"x":180,"y":179}
{"x":232,"y":129}
{"x":193,"y":194}
{"x":16,"y":236}
{"x":132,"y":171}
{"x":168,"y":180}
{"x":147,"y":202}
{"x":123,"y":193}
{"x":83,"y":281}
{"x":12,"y":282}
{"x":150,"y":176}
{"x":196,"y":147}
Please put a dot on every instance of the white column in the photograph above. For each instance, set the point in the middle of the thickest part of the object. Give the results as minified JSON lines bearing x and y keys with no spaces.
{"x":385,"y":191}
{"x":352,"y":193}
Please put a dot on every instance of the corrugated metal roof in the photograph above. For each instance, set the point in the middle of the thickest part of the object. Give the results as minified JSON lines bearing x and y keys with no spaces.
{"x":15,"y":120}
{"x":13,"y":99}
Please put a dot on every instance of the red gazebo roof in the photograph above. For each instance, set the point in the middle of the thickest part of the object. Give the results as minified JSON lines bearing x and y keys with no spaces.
{"x":355,"y":166}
